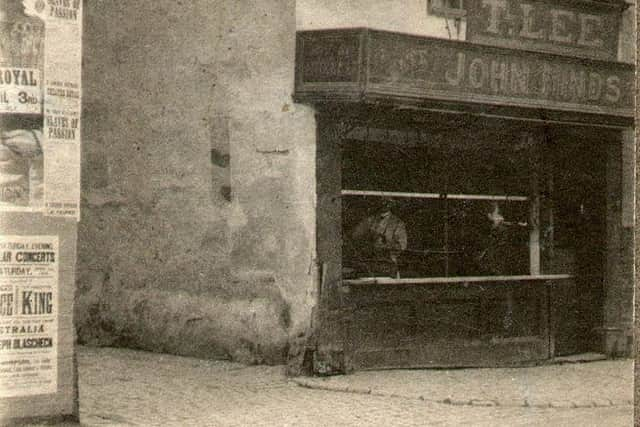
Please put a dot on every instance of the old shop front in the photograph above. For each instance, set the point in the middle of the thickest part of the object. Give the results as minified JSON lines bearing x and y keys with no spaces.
{"x":498,"y":171}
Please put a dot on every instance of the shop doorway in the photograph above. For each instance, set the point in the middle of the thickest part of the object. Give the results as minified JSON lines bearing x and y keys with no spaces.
{"x":578,"y":159}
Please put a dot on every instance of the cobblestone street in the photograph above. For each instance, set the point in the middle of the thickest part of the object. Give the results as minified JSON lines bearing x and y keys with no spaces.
{"x":123,"y":387}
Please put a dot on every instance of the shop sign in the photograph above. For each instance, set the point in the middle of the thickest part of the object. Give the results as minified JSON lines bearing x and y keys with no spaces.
{"x":430,"y":67}
{"x":575,"y":28}
{"x":411,"y":69}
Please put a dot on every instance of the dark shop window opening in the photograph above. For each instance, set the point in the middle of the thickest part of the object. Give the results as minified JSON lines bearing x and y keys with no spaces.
{"x":470,"y":201}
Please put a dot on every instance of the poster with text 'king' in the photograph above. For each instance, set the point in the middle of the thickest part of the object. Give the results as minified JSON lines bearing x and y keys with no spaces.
{"x":28,"y":315}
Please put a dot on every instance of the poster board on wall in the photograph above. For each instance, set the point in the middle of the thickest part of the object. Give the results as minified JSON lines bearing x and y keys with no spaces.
{"x":40,"y":121}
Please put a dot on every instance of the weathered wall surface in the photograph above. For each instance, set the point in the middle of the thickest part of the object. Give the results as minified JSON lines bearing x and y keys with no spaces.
{"x":198,"y":188}
{"x":628,"y":35}
{"x":405,"y":16}
{"x":272,"y":142}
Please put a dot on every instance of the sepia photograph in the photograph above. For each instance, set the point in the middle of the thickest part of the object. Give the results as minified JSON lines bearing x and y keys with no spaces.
{"x":317,"y":212}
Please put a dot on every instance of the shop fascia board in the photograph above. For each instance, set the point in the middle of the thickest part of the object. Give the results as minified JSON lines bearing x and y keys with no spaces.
{"x":360,"y":89}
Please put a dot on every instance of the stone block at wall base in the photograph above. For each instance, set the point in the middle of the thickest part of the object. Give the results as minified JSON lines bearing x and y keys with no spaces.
{"x":249,"y":331}
{"x":300,"y":357}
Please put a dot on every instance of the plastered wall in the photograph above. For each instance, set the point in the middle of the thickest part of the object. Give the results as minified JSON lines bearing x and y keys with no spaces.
{"x":405,"y":16}
{"x":198,"y":183}
{"x":272,"y":151}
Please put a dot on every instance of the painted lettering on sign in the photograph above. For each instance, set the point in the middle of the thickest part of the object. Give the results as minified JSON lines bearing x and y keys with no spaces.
{"x":442,"y":70}
{"x":516,"y":77}
{"x":547,"y":26}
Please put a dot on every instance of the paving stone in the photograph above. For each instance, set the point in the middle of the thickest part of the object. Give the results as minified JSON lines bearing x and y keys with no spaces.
{"x":562,"y":404}
{"x":600,"y":383}
{"x":481,"y":402}
{"x":129,"y":388}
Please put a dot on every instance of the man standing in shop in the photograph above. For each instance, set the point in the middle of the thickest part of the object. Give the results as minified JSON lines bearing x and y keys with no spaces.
{"x":379,"y":239}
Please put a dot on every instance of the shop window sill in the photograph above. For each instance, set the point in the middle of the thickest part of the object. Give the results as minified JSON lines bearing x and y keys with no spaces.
{"x":456,"y":280}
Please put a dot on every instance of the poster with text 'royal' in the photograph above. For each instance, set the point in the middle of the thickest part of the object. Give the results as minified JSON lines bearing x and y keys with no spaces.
{"x":40,"y":92}
{"x":28,"y":315}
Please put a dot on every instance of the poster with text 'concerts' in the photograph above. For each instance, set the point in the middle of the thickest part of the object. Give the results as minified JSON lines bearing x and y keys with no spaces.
{"x":28,"y":315}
